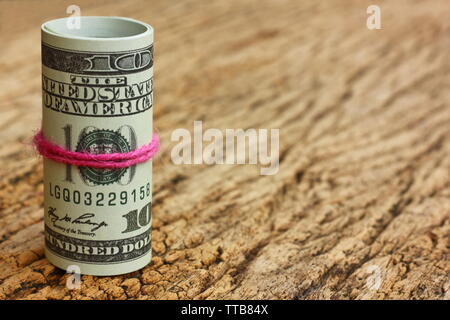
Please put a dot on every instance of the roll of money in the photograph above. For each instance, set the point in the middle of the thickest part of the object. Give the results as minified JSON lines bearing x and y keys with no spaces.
{"x":97,"y":97}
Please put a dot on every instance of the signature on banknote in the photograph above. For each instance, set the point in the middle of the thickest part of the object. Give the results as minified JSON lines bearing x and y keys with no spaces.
{"x":84,"y":219}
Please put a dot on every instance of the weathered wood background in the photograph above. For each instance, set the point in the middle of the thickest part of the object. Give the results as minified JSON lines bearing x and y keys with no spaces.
{"x":360,"y":207}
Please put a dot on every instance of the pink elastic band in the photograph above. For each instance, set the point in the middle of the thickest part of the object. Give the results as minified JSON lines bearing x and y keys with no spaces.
{"x":101,"y":161}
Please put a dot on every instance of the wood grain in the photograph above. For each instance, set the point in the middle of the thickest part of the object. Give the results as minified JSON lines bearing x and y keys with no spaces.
{"x":360,"y":207}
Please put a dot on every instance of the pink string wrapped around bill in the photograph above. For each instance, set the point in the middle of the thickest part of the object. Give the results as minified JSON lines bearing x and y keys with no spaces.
{"x":56,"y":153}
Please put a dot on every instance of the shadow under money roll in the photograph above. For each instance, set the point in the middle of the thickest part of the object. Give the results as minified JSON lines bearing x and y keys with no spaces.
{"x":97,"y":98}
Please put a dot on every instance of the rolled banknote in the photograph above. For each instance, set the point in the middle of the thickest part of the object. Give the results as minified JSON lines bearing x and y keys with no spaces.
{"x":97,"y":98}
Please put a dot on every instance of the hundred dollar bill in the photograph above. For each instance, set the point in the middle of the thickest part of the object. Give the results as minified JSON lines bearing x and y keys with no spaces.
{"x":97,"y":96}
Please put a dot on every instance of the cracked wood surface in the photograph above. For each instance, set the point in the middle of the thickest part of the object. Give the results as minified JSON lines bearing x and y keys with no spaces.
{"x":360,"y":206}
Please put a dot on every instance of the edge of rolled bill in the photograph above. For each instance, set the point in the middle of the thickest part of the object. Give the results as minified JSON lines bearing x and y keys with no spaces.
{"x":97,"y":97}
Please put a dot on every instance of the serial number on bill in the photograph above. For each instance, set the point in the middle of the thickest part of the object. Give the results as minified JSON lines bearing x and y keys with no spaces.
{"x":99,"y":199}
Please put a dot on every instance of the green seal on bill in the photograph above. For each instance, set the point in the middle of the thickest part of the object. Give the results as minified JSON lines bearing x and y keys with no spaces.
{"x":102,"y":142}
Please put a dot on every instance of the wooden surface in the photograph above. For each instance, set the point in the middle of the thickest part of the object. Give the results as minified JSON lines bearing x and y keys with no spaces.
{"x":360,"y":208}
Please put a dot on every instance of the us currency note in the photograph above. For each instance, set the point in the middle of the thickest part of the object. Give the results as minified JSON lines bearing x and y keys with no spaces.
{"x":97,"y":96}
